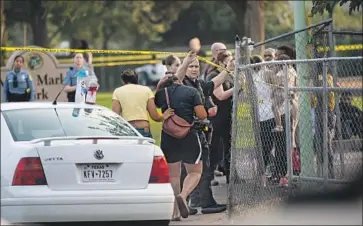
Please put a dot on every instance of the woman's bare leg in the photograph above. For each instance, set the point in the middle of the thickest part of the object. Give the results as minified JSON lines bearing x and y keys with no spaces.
{"x":294,"y":121}
{"x":192,"y":179}
{"x":190,"y":182}
{"x":174,"y":171}
{"x":276,"y":110}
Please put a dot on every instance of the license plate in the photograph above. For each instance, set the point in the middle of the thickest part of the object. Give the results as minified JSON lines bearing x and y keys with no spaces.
{"x":97,"y":172}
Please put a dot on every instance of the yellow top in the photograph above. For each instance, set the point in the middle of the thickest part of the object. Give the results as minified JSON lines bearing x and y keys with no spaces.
{"x":331,"y":96}
{"x":133,"y":100}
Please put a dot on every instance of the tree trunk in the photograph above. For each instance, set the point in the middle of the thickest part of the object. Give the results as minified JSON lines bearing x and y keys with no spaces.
{"x":255,"y":27}
{"x":240,"y":9}
{"x":105,"y":42}
{"x":40,"y":30}
{"x":4,"y":36}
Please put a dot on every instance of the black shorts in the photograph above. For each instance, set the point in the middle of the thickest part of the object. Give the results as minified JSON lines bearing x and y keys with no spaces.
{"x":188,"y":150}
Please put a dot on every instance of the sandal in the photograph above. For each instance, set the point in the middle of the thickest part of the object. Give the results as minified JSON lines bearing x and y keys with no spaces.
{"x":183,"y":208}
{"x":176,"y":219}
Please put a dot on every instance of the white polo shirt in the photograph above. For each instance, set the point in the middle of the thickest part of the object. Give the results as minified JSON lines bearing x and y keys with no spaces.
{"x":264,"y":97}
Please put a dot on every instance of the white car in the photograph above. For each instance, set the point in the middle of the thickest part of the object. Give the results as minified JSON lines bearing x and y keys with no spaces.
{"x":72,"y":162}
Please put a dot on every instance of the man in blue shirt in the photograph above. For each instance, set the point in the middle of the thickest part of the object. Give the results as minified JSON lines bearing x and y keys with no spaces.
{"x":18,"y":85}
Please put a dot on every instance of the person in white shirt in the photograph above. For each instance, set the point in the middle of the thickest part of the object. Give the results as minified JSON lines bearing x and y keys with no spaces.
{"x":266,"y":118}
{"x":278,"y":93}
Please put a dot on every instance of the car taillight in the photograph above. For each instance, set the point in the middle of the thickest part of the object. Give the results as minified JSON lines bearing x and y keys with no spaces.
{"x":159,"y":171}
{"x":29,"y":171}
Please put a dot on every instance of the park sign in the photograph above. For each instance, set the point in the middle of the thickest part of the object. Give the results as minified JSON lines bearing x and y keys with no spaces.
{"x":45,"y":71}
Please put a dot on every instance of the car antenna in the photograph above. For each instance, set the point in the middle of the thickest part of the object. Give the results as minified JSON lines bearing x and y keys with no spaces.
{"x":56,"y":98}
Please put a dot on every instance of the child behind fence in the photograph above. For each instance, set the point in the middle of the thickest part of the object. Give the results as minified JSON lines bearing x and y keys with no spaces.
{"x":278,"y":96}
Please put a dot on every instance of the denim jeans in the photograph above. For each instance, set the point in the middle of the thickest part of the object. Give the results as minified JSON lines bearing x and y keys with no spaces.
{"x":144,"y":132}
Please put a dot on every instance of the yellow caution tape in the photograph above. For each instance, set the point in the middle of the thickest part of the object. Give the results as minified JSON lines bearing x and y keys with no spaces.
{"x":61,"y":50}
{"x":341,"y":48}
{"x":124,"y":58}
{"x":125,"y":52}
{"x":112,"y":64}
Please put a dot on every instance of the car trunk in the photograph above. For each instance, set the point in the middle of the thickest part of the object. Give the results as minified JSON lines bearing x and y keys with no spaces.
{"x":107,"y":164}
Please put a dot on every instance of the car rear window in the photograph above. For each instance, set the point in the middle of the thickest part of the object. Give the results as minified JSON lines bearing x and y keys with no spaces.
{"x":29,"y":124}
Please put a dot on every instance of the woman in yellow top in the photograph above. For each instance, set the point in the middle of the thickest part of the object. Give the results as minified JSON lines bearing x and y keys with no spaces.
{"x":135,"y":103}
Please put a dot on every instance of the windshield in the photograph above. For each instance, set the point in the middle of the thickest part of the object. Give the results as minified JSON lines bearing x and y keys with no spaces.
{"x":29,"y":124}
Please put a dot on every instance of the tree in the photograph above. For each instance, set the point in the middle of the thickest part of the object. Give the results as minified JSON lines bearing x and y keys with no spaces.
{"x":210,"y":21}
{"x":254,"y":22}
{"x":278,"y":13}
{"x":153,"y":18}
{"x":3,"y":37}
{"x":140,"y":21}
{"x":250,"y":18}
{"x":75,"y":20}
{"x":32,"y":12}
{"x":319,"y":6}
{"x":240,"y":9}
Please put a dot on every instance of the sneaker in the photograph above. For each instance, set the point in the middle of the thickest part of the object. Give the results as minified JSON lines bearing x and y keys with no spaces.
{"x":278,"y":129}
{"x":214,"y":183}
{"x":268,"y":172}
{"x":218,"y":173}
{"x":217,"y":208}
{"x":192,"y":211}
{"x":194,"y":205}
{"x":283,"y":181}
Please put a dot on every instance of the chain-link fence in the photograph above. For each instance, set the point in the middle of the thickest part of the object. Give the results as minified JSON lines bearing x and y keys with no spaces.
{"x":269,"y":160}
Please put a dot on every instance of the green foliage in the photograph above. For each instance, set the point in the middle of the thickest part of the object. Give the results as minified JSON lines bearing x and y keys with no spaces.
{"x":141,"y":24}
{"x":319,"y":6}
{"x":279,"y":18}
{"x":153,"y":18}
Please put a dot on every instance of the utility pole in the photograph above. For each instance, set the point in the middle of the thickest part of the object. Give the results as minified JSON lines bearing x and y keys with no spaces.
{"x":305,"y":118}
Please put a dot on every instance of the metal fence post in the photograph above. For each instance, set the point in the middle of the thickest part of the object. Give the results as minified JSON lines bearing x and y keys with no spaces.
{"x":325,"y":126}
{"x":288,"y":127}
{"x":333,"y":71}
{"x":306,"y":139}
{"x":234,"y":119}
{"x":253,"y":101}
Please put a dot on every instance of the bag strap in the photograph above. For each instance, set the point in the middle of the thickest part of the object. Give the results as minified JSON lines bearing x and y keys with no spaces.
{"x":167,"y":97}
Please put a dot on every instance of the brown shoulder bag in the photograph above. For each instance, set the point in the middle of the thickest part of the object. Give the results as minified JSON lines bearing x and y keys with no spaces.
{"x":175,"y":126}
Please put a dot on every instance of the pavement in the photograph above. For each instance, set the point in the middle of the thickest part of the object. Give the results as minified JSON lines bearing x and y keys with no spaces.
{"x":342,"y":213}
{"x":220,"y":194}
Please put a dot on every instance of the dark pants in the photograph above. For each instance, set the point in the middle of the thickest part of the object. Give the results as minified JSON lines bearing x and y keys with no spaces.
{"x":221,"y":148}
{"x":270,"y":139}
{"x":267,"y":140}
{"x":318,"y":144}
{"x":14,"y":97}
{"x":202,"y":194}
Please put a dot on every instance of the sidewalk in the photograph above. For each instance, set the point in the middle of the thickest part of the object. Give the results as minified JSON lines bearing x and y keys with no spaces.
{"x":220,"y":194}
{"x":339,"y":213}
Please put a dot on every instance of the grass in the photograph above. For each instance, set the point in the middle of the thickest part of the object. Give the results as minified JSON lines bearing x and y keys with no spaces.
{"x":244,"y":122}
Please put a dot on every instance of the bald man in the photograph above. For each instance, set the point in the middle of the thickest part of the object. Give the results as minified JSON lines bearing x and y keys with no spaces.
{"x":216,"y":48}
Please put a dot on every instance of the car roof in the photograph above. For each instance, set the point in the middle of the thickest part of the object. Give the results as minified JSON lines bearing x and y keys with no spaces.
{"x":32,"y":105}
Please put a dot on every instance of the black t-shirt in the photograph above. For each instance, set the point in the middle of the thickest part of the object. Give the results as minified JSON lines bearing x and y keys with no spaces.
{"x":206,"y":87}
{"x":182,"y":99}
{"x":224,"y":113}
{"x":205,"y":90}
